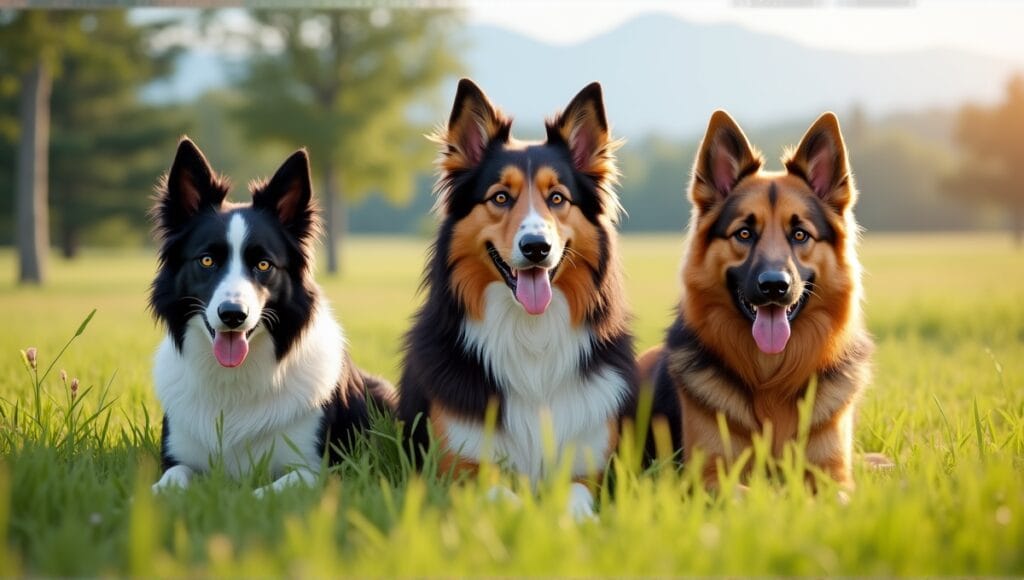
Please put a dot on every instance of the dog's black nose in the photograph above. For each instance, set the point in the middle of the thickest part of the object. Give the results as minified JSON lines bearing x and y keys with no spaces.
{"x":773,"y":284}
{"x":232,"y":314}
{"x":534,"y":247}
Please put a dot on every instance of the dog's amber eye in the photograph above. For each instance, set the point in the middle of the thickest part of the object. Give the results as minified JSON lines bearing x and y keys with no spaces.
{"x":206,"y":261}
{"x":556,"y":199}
{"x":744,"y":235}
{"x":801,"y":236}
{"x":500,"y":199}
{"x":263,"y":266}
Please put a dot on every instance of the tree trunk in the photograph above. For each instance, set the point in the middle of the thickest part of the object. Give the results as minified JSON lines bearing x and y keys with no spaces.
{"x":70,"y":241}
{"x":1017,"y":223}
{"x":331,"y":214}
{"x":33,"y":173}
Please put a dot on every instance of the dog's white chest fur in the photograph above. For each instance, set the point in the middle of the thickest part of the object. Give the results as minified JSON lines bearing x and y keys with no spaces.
{"x":263,"y":408}
{"x":536,"y":361}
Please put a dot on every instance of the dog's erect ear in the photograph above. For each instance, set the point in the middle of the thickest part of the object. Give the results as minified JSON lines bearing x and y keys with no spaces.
{"x":189,"y":187}
{"x":474,"y":124}
{"x":583,"y":127}
{"x":289,"y":196}
{"x":725,"y":157}
{"x":820,"y":160}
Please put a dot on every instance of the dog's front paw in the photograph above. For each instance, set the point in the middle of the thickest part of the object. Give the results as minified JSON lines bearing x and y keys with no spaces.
{"x":178,"y":476}
{"x":879,"y":462}
{"x":581,"y":503}
{"x":297,"y":477}
{"x":500,"y":493}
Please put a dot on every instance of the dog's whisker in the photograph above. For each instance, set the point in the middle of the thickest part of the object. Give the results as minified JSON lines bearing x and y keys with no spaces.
{"x":569,"y":254}
{"x":270,"y":315}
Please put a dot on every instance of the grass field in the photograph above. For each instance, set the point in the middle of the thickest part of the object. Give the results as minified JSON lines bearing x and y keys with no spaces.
{"x":947,"y":405}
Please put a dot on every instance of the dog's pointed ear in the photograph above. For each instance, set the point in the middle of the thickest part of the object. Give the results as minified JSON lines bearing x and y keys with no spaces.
{"x":820,"y":160}
{"x":189,"y":187}
{"x":289,"y":196}
{"x":725,"y":157}
{"x":583,"y":127}
{"x":474,"y":124}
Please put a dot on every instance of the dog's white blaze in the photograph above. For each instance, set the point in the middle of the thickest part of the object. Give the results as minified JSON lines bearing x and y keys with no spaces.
{"x":536,"y":361}
{"x":535,"y":224}
{"x":254,"y":410}
{"x":235,"y":286}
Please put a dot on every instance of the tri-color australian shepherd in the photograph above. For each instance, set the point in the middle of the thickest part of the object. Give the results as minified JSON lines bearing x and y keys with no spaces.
{"x":524,"y":305}
{"x":253,"y":368}
{"x":771,"y":303}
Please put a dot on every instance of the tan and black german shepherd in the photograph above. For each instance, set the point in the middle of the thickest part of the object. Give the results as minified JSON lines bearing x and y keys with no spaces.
{"x":771,"y":301}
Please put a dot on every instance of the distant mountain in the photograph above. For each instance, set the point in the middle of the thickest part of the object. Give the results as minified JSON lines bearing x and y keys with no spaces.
{"x":665,"y":75}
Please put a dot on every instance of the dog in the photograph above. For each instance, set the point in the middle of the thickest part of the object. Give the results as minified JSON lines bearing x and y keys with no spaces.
{"x":771,"y":303}
{"x":253,"y":366}
{"x":524,"y":308}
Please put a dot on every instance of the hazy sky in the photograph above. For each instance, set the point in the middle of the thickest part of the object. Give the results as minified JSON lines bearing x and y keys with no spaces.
{"x":984,"y":26}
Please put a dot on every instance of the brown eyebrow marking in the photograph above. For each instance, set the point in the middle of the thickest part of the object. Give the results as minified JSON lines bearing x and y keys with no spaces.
{"x":512,"y":177}
{"x":545,"y":178}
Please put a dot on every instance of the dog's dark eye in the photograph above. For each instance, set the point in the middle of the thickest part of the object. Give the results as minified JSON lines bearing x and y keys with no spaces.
{"x":800,"y":236}
{"x":263,"y":266}
{"x":744,"y":235}
{"x":500,"y":199}
{"x":556,"y":199}
{"x":206,"y":261}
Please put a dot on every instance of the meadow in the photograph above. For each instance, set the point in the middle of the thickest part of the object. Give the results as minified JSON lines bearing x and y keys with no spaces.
{"x":947,"y":405}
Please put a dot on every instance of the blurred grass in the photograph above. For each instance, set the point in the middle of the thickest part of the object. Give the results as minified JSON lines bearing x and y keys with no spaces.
{"x":947,"y":404}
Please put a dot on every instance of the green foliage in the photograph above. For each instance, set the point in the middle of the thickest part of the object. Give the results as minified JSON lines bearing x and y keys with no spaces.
{"x":344,"y":83}
{"x":947,"y":405}
{"x":655,"y":178}
{"x":994,"y":167}
{"x":106,"y":147}
{"x":898,"y":162}
{"x":899,"y":176}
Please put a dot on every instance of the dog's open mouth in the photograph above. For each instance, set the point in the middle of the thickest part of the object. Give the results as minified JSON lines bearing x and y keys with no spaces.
{"x":229,"y":347}
{"x":530,"y":286}
{"x":771,"y":321}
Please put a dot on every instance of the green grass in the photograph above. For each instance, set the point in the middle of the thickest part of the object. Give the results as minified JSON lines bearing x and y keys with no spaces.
{"x":947,"y":404}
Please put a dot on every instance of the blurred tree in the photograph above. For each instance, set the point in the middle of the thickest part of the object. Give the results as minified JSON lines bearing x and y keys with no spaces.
{"x":899,"y":178}
{"x":898,"y":163}
{"x":82,"y":70}
{"x":29,"y":57}
{"x":107,"y":147}
{"x":994,"y":142}
{"x":655,"y":171}
{"x":347,"y":84}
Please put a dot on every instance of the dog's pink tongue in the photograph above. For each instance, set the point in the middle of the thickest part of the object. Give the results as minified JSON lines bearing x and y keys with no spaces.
{"x":771,"y":329}
{"x":230,"y":348}
{"x":533,"y":290}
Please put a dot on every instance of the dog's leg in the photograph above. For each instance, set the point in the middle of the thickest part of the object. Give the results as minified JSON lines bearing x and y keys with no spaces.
{"x":581,"y":502}
{"x":177,"y":476}
{"x":302,"y":475}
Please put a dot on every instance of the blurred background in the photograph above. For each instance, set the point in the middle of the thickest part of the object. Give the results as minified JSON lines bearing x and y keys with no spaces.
{"x":930,"y":95}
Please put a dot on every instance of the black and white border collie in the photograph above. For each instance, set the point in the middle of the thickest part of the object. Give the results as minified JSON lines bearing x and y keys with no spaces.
{"x":254,"y":365}
{"x":524,"y":304}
